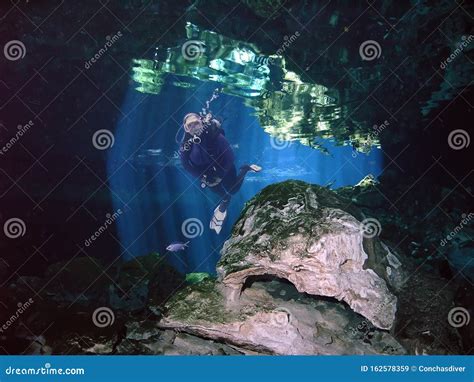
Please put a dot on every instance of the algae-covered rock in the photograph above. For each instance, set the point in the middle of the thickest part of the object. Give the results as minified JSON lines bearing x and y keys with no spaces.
{"x":266,"y":321}
{"x":199,"y":302}
{"x":197,"y":277}
{"x":309,"y":242}
{"x":313,"y":238}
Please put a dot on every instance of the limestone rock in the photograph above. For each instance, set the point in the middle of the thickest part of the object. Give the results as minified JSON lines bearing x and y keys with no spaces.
{"x":266,"y":324}
{"x":311,"y":237}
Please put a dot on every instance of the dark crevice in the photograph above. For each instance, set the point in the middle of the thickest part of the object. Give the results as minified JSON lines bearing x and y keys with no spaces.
{"x":291,"y":292}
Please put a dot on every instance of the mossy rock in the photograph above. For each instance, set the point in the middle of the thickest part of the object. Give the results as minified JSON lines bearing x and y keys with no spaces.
{"x":197,"y":277}
{"x":201,"y":302}
{"x":273,"y":212}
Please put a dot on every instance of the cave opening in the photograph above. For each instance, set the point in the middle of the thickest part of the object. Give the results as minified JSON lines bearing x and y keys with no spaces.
{"x":279,"y":287}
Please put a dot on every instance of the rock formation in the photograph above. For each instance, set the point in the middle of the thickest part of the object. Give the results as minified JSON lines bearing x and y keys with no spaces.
{"x":310,"y":238}
{"x":302,"y":273}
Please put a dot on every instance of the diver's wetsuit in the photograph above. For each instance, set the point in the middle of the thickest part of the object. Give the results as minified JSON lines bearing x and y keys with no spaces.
{"x":214,"y":158}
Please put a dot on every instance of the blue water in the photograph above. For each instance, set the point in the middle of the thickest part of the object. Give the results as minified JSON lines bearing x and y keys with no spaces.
{"x":156,"y":195}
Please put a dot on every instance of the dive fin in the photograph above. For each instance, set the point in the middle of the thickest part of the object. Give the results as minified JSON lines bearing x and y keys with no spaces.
{"x":217,"y":220}
{"x":255,"y":168}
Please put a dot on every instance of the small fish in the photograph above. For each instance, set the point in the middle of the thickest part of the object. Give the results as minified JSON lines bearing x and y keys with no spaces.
{"x":176,"y":247}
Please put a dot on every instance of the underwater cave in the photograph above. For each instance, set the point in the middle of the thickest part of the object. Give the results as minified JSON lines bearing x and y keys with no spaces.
{"x":236,"y":178}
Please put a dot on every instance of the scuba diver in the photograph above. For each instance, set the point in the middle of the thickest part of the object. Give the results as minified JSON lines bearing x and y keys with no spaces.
{"x":206,"y":154}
